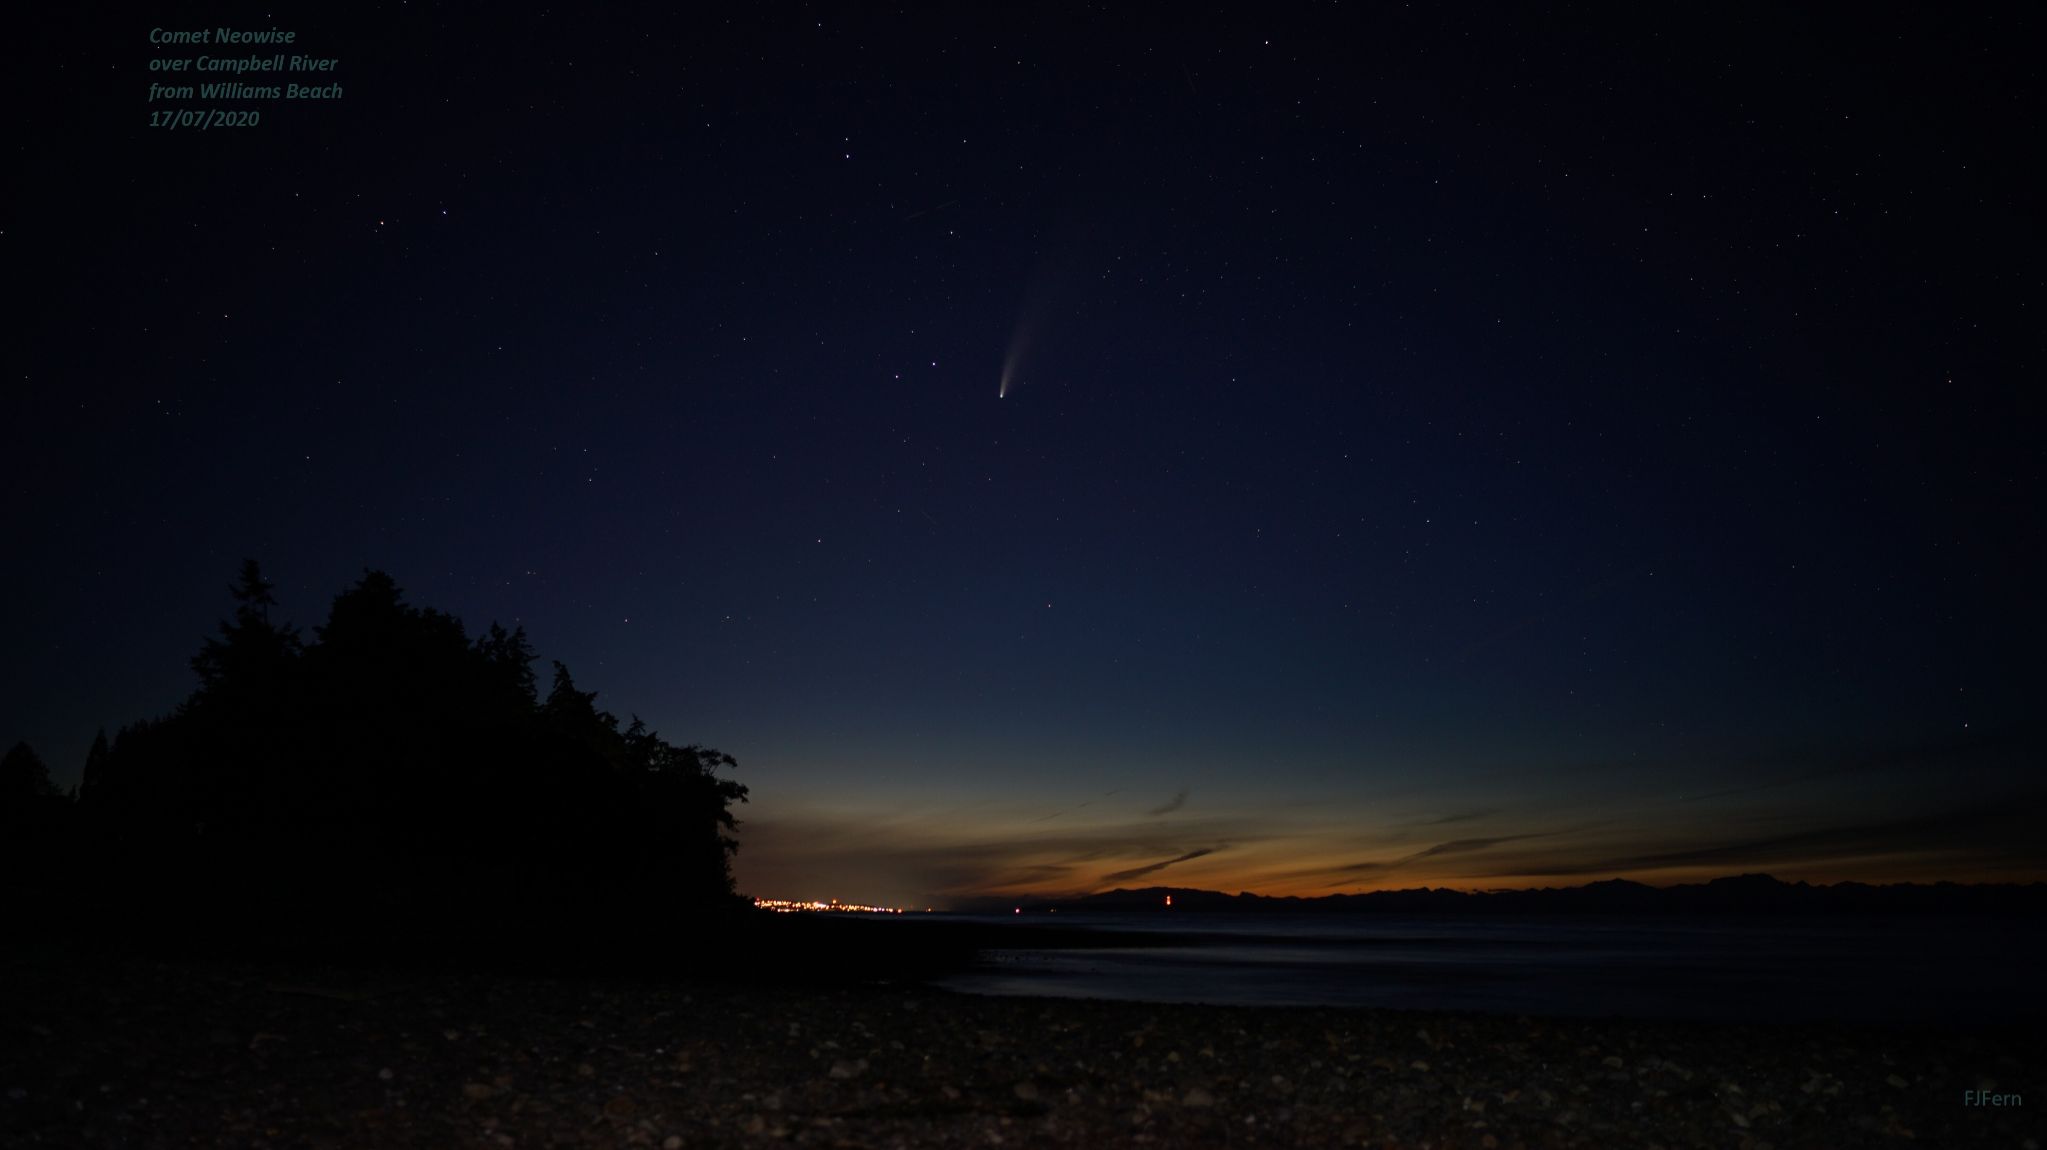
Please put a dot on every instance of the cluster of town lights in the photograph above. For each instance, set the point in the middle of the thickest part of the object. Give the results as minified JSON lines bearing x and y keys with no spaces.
{"x":789,"y":906}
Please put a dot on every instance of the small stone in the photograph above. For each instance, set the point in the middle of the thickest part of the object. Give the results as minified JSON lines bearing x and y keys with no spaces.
{"x":951,"y":1092}
{"x":620,"y":1107}
{"x":1197,"y":1097}
{"x":385,"y":1074}
{"x":1613,"y":1060}
{"x":585,"y":1070}
{"x":844,"y":1069}
{"x":1028,"y":1091}
{"x":476,"y":1091}
{"x":1897,"y":1082}
{"x":1418,"y":1064}
{"x":672,"y":1142}
{"x":754,"y":1124}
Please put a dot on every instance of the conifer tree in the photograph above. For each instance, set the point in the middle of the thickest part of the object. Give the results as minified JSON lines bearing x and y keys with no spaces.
{"x":24,"y":775}
{"x":93,"y":783}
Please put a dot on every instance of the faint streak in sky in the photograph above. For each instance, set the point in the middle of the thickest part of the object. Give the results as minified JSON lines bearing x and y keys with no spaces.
{"x":1070,"y":810}
{"x":1140,"y":872}
{"x":1171,"y":805}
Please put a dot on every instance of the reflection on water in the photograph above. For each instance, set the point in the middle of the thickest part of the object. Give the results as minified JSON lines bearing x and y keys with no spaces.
{"x":1929,"y":971}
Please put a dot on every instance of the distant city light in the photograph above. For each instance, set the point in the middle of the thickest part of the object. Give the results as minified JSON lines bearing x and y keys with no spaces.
{"x":788,"y":906}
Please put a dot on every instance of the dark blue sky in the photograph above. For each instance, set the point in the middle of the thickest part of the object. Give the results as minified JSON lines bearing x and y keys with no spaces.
{"x":1487,"y":447}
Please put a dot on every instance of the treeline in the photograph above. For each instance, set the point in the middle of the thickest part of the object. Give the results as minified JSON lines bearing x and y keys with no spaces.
{"x":388,"y":784}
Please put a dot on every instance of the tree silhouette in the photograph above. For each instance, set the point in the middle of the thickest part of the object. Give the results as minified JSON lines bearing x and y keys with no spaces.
{"x":392,"y":778}
{"x":36,"y":836}
{"x":95,"y":767}
{"x":251,"y":650}
{"x":23,"y":776}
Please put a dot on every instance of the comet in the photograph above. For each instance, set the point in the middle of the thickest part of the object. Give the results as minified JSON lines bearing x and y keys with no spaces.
{"x":1011,"y":360}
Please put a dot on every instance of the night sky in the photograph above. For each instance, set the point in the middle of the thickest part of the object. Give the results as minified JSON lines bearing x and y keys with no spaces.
{"x":1290,"y":449}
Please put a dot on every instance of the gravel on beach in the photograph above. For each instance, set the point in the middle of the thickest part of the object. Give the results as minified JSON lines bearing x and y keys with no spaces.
{"x":144,"y":1053}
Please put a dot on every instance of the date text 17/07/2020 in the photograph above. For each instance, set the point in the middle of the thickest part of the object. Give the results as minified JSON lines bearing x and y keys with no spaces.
{"x":202,"y":119}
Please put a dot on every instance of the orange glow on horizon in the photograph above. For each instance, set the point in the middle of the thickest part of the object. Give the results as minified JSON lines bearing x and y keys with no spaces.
{"x":1873,"y":872}
{"x":946,"y":867}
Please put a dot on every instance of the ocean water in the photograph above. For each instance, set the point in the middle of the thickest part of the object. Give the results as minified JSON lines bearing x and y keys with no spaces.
{"x":1944,"y":972}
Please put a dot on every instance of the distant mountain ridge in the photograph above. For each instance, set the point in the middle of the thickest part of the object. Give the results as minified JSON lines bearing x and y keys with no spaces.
{"x":1735,"y":894}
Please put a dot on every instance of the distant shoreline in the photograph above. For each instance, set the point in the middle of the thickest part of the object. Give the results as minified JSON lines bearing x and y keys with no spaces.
{"x":1758,"y":894}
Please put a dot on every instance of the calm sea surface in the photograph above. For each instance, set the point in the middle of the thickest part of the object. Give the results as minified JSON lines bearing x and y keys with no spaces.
{"x":1944,"y":971}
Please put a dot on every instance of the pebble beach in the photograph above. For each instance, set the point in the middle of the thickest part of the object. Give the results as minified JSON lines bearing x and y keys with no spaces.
{"x":150,"y":1053}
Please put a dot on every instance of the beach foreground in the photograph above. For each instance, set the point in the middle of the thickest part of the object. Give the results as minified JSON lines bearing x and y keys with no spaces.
{"x":148,"y":1053}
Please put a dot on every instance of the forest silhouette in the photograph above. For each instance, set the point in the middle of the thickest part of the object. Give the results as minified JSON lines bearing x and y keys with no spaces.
{"x":389,"y":788}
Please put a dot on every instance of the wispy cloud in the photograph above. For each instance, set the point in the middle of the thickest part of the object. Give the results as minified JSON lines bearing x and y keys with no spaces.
{"x":1077,"y":807}
{"x":1997,"y":834}
{"x":1351,"y":873}
{"x":1140,"y":872}
{"x":1465,"y":846}
{"x":1171,"y":805}
{"x":1458,"y":817}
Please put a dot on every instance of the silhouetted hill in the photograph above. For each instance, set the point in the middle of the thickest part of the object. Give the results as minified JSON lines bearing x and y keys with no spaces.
{"x":1748,"y":894}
